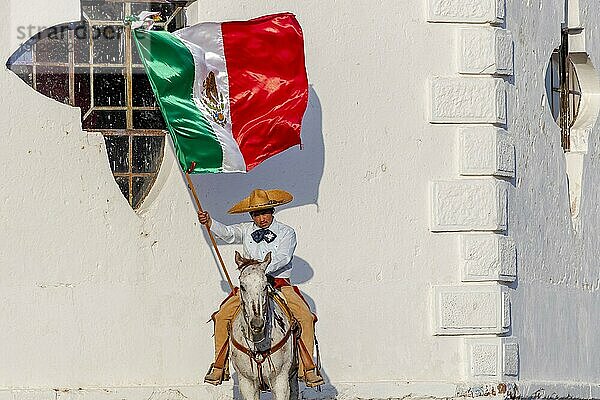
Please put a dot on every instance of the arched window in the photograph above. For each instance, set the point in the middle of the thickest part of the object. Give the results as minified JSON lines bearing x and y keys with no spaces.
{"x":573,"y":91}
{"x":94,"y":64}
{"x":563,"y":90}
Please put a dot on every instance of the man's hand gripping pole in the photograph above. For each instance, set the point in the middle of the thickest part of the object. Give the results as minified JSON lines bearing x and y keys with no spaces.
{"x":210,"y":235}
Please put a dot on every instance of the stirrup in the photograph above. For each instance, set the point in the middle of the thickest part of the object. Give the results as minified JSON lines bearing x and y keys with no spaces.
{"x":216,"y":376}
{"x":312,"y":378}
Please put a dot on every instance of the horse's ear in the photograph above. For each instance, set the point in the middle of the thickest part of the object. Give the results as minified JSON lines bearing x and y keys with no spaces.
{"x":267,"y":259}
{"x":238,"y":259}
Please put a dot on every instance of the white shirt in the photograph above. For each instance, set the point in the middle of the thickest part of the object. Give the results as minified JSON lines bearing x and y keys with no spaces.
{"x":282,"y":248}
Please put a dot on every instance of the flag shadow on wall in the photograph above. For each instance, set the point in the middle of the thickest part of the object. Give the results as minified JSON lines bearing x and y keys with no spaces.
{"x":295,"y":170}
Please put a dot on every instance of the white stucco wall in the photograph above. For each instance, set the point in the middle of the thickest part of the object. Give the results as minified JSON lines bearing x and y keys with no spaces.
{"x":94,"y":284}
{"x":556,"y":301}
{"x":90,"y":296}
{"x":97,"y":295}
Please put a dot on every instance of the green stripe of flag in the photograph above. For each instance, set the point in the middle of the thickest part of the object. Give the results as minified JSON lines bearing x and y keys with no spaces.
{"x":170,"y":68}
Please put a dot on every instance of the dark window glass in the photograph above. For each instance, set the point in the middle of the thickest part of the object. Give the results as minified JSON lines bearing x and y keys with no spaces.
{"x":81,"y":45}
{"x":103,"y":119}
{"x":151,"y":119}
{"x":109,"y":44}
{"x":135,"y":54}
{"x":141,"y":87}
{"x":117,"y":148}
{"x":173,"y":25}
{"x":123,"y":183}
{"x":109,"y":87}
{"x":82,"y":89}
{"x":23,"y":56}
{"x":25,"y":72}
{"x":139,"y":188}
{"x":53,"y":46}
{"x":147,"y":153}
{"x":53,"y":82}
{"x":103,"y":10}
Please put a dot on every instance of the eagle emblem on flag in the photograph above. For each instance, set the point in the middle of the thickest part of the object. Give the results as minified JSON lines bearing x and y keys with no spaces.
{"x":212,"y":119}
{"x":213,"y":99}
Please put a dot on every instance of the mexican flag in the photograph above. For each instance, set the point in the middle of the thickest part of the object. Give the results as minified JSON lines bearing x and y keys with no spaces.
{"x":232,"y":94}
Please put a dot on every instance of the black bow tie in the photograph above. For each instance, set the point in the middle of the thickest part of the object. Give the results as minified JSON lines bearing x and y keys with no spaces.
{"x":263,"y":234}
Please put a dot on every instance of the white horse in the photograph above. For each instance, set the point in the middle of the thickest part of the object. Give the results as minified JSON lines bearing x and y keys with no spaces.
{"x":263,"y":338}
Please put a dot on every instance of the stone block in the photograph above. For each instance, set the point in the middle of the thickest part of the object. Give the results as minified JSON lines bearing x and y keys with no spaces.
{"x":506,"y":320}
{"x":491,"y":358}
{"x":510,"y":357}
{"x":486,"y":150}
{"x":466,"y":11}
{"x":485,"y":51}
{"x":469,"y":205}
{"x":488,"y":257}
{"x":467,"y":100}
{"x":471,"y":309}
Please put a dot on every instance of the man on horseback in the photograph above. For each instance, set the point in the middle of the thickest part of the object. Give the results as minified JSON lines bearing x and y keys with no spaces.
{"x":263,"y":235}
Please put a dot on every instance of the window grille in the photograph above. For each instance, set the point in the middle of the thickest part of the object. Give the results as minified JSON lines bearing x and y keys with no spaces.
{"x":565,"y":92}
{"x":94,"y":64}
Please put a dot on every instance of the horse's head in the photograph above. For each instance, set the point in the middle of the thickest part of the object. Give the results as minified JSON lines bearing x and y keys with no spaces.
{"x":254,"y":293}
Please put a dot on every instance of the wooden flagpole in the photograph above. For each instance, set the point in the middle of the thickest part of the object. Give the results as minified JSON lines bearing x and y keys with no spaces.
{"x":210,"y":235}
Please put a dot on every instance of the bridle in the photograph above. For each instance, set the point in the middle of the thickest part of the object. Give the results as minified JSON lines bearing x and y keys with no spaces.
{"x":265,"y":316}
{"x":258,"y":357}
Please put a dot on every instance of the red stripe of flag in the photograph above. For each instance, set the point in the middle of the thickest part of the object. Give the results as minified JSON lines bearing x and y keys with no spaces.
{"x":268,"y":88}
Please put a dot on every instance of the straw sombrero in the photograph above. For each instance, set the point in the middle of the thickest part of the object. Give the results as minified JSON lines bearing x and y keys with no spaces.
{"x":261,"y":199}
